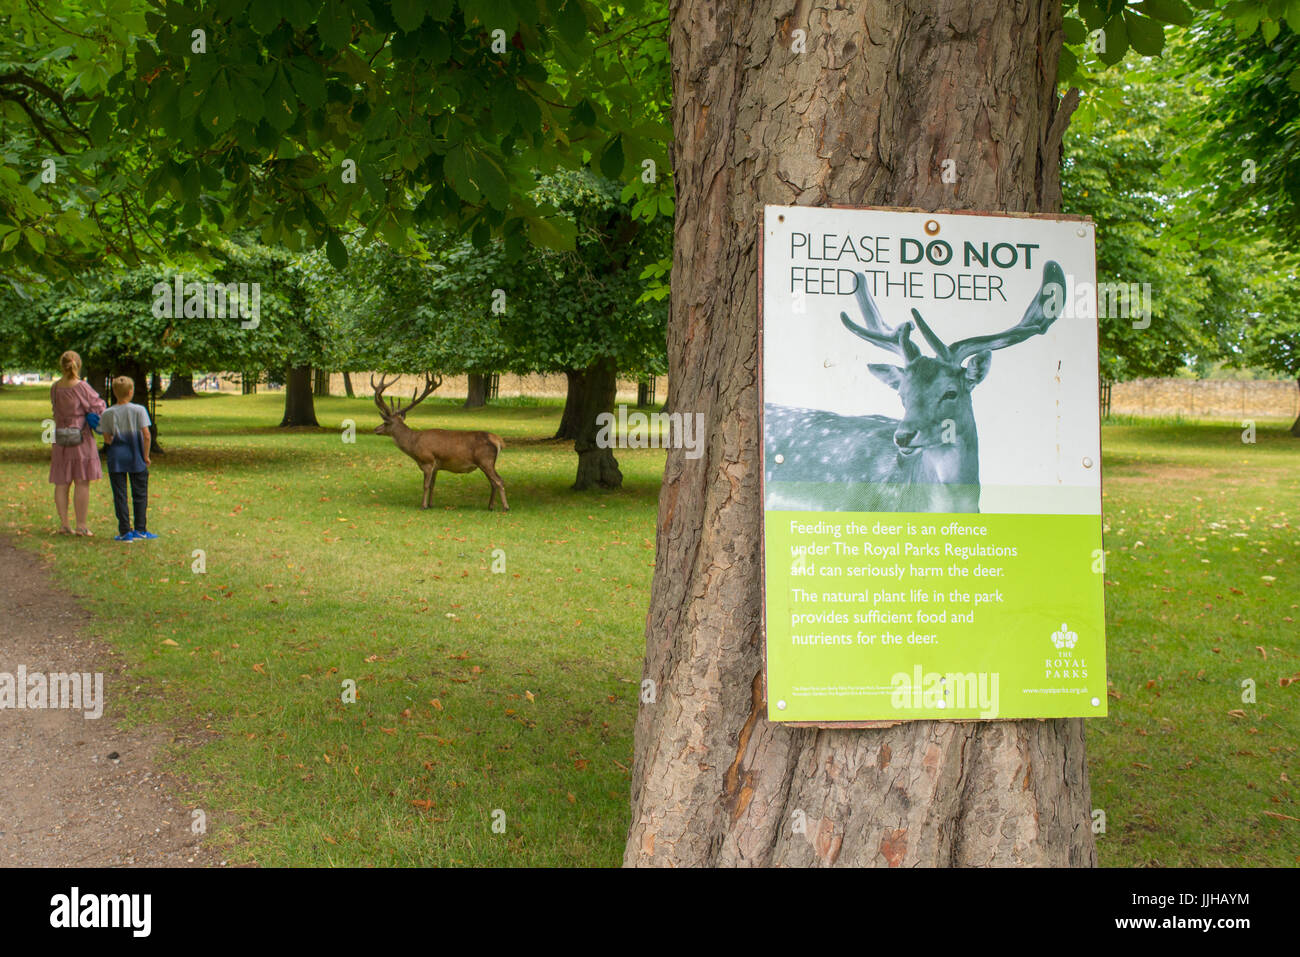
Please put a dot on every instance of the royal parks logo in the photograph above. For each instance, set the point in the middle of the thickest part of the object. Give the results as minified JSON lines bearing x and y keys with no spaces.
{"x":1065,"y":663}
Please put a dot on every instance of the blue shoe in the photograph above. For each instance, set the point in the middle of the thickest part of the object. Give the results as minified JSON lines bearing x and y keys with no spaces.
{"x":138,"y":536}
{"x":128,"y":537}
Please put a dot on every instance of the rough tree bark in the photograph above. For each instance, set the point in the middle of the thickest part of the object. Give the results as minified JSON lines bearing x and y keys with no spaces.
{"x":478,"y":390}
{"x":347,"y":385}
{"x":569,"y":419}
{"x":1295,"y":426}
{"x":180,"y":387}
{"x":885,"y":91}
{"x":320,"y":383}
{"x":597,"y":467}
{"x":299,"y":403}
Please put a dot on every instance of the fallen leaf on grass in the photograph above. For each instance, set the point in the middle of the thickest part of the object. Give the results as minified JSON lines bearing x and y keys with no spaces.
{"x":424,"y":805}
{"x":1283,"y":817}
{"x":1237,"y":713}
{"x":437,"y":705}
{"x":169,"y":643}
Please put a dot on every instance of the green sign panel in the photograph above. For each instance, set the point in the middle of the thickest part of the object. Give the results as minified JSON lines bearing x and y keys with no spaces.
{"x":931,"y":484}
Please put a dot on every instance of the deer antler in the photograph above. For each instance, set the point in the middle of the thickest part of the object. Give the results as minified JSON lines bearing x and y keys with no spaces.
{"x":897,"y":340}
{"x":392,"y":407}
{"x":1038,"y":318}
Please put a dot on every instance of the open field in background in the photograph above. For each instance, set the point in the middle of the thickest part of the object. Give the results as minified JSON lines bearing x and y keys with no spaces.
{"x":518,"y":691}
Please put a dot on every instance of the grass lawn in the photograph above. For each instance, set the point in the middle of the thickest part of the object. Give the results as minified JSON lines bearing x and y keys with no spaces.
{"x":515,"y":691}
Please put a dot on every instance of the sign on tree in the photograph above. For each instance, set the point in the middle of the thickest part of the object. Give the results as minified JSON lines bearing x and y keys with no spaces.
{"x":931,"y":483}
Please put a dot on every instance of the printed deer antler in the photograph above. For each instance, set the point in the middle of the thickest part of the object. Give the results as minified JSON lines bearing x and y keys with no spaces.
{"x":1038,"y":318}
{"x":897,"y":340}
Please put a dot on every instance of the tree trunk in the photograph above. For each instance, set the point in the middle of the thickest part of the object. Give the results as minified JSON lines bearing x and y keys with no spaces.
{"x":1295,"y":426}
{"x":248,"y":383}
{"x":867,"y":114}
{"x":571,"y":418}
{"x":181,"y":386}
{"x":321,"y":383}
{"x":478,"y":390}
{"x":299,"y":405}
{"x":597,"y":467}
{"x":347,"y":385}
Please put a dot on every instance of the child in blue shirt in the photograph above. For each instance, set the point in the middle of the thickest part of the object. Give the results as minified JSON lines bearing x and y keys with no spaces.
{"x":125,"y":428}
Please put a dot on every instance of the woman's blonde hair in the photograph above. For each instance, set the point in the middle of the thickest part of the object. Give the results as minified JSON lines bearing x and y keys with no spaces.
{"x":70,"y":363}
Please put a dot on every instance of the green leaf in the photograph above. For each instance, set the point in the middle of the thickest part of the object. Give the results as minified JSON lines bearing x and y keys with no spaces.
{"x":1066,"y":66}
{"x":1146,"y":36}
{"x":265,"y":15}
{"x":374,"y":182}
{"x":611,"y":161}
{"x":584,"y":114}
{"x":570,"y":20}
{"x":1092,"y":14}
{"x":1075,"y":31}
{"x":309,"y":80}
{"x":218,"y":108}
{"x":281,"y":102}
{"x":556,"y":233}
{"x":1165,"y":11}
{"x":1248,"y":21}
{"x":491,"y":14}
{"x":335,"y":25}
{"x":247,"y":92}
{"x":101,"y":124}
{"x":409,"y":14}
{"x":1294,"y":82}
{"x":456,"y":168}
{"x":492,"y":181}
{"x":1116,"y":37}
{"x":1270,"y":29}
{"x":336,"y":252}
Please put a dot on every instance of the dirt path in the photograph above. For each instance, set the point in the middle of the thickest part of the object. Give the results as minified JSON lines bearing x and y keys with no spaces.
{"x":75,"y":791}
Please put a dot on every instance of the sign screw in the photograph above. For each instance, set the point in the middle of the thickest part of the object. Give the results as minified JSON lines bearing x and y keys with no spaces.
{"x":1096,"y":702}
{"x":779,"y":458}
{"x":780,"y":706}
{"x":1087,"y":462}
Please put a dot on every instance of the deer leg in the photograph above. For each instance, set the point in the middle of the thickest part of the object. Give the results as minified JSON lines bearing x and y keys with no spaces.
{"x":498,"y":488}
{"x":429,"y":474}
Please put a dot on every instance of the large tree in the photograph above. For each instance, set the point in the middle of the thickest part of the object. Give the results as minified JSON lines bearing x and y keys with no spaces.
{"x":861,"y":107}
{"x":882,"y":93}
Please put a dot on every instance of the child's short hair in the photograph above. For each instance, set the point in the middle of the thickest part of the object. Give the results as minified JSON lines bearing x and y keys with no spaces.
{"x":123,"y":386}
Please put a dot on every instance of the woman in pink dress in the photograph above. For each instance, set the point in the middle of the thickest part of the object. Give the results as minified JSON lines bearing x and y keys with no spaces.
{"x":72,"y":397}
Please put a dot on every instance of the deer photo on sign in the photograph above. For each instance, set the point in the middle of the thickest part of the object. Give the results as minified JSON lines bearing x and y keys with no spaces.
{"x":927,"y":460}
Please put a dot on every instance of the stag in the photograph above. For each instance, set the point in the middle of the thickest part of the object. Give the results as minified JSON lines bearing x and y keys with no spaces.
{"x":439,"y":449}
{"x":927,"y":461}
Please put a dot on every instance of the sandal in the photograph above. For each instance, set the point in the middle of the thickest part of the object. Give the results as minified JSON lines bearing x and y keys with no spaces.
{"x":85,"y":533}
{"x":65,"y":530}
